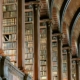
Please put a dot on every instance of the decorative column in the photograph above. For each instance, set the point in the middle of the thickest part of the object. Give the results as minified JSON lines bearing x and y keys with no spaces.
{"x":49,"y":48}
{"x":59,"y":53}
{"x":59,"y":36}
{"x":36,"y":40}
{"x":20,"y":33}
{"x":69,"y":57}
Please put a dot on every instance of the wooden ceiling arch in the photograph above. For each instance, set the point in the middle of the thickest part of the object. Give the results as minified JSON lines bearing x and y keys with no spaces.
{"x":74,"y":21}
{"x":75,"y":33}
{"x":63,"y":11}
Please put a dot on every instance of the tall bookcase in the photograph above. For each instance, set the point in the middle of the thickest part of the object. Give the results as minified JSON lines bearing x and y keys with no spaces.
{"x":64,"y":65}
{"x":29,"y":39}
{"x":73,"y":70}
{"x":43,"y":51}
{"x":54,"y":58}
{"x":9,"y":29}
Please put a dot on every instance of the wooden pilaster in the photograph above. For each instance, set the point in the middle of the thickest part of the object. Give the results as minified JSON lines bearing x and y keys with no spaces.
{"x":36,"y":40}
{"x":20,"y":41}
{"x":59,"y":57}
{"x":49,"y":49}
{"x":69,"y":57}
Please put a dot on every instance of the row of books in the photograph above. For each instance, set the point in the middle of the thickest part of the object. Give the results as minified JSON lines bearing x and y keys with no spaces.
{"x":29,"y":67}
{"x":9,"y":45}
{"x":43,"y":36}
{"x":10,"y":52}
{"x":29,"y":32}
{"x":12,"y":7}
{"x":43,"y":40}
{"x":28,"y":26}
{"x":54,"y":68}
{"x":28,"y":61}
{"x":30,"y":13}
{"x":64,"y":57}
{"x":55,"y":63}
{"x":54,"y":58}
{"x":28,"y":44}
{"x":9,"y":14}
{"x":11,"y":37}
{"x":43,"y":47}
{"x":11,"y":29}
{"x":29,"y":38}
{"x":43,"y":62}
{"x":55,"y":74}
{"x":43,"y":52}
{"x":54,"y":44}
{"x":28,"y":55}
{"x":54,"y":49}
{"x":54,"y":38}
{"x":8,"y":22}
{"x":43,"y":73}
{"x":43,"y":57}
{"x":9,"y":1}
{"x":43,"y":68}
{"x":64,"y":68}
{"x":28,"y":50}
{"x":28,"y":19}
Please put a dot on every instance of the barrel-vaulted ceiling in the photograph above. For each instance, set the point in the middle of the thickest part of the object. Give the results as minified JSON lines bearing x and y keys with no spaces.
{"x":68,"y":15}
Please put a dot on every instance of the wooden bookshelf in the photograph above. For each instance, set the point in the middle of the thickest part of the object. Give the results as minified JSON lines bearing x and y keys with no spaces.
{"x":9,"y":29}
{"x":54,"y":58}
{"x":74,"y":70}
{"x":43,"y":51}
{"x":29,"y":39}
{"x":64,"y":65}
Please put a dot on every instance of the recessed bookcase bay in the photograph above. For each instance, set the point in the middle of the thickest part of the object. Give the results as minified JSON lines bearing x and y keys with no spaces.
{"x":29,"y":39}
{"x":54,"y":58}
{"x":74,"y":70}
{"x":64,"y":65}
{"x":43,"y":51}
{"x":9,"y":29}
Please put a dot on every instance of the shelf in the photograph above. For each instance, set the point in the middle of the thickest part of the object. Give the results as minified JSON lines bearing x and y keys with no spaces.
{"x":9,"y":41}
{"x":29,"y":22}
{"x":28,"y":10}
{"x":10,"y":25}
{"x":9,"y":18}
{"x":42,"y":27}
{"x":10,"y":49}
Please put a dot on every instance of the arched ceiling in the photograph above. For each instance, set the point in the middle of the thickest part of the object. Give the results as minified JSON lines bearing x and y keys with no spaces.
{"x":67,"y":10}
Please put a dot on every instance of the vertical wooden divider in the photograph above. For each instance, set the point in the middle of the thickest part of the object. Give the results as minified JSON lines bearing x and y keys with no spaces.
{"x":36,"y":41}
{"x":49,"y":50}
{"x":20,"y":41}
{"x":69,"y":63}
{"x":59,"y":57}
